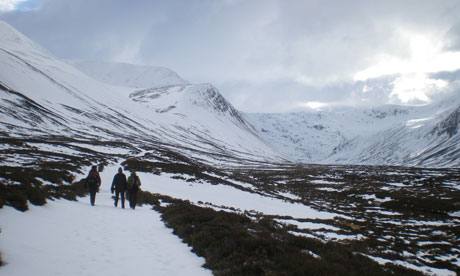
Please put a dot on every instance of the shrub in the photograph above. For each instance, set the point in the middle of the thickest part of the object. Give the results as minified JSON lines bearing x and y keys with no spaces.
{"x":144,"y":197}
{"x":438,"y":206}
{"x":69,"y":192}
{"x":13,"y":195}
{"x":17,"y":195}
{"x":235,"y":244}
{"x":34,"y":194}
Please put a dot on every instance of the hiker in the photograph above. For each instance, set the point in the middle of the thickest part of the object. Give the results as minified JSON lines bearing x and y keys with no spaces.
{"x":133,"y":187}
{"x":119,"y":186}
{"x":92,"y":183}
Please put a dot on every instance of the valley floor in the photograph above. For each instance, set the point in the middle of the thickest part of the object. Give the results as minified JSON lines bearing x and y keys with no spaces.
{"x":319,"y":203}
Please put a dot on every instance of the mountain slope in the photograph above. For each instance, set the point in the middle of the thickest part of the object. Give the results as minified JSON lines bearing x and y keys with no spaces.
{"x":42,"y":96}
{"x":389,"y":135}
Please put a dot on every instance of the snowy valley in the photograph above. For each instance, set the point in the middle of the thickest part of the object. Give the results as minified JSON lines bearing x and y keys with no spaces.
{"x":233,"y":187}
{"x":426,"y":136}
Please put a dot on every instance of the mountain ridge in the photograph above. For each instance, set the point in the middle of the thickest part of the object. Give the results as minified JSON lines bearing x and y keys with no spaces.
{"x":352,"y":136}
{"x":197,"y":118}
{"x":86,"y":108}
{"x":386,"y":135}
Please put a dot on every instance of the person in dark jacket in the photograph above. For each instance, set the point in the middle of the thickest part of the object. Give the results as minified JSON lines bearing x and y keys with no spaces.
{"x":119,"y":186}
{"x":92,"y":183}
{"x":133,"y":187}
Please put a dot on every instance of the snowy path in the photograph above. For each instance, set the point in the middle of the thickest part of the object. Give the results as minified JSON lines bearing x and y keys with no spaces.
{"x":74,"y":238}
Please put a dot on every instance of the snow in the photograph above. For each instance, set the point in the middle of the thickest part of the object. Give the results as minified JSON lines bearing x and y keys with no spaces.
{"x":388,"y":213}
{"x":385,"y":199}
{"x":74,"y":238}
{"x":306,"y":235}
{"x":103,"y":149}
{"x":202,"y":119}
{"x":455,"y":214}
{"x":79,"y":239}
{"x":54,"y":148}
{"x":320,"y":181}
{"x":386,"y":135}
{"x":332,"y":236}
{"x":289,"y":195}
{"x":369,"y":197}
{"x":311,"y":253}
{"x":423,"y":243}
{"x":425,"y":269}
{"x":227,"y":196}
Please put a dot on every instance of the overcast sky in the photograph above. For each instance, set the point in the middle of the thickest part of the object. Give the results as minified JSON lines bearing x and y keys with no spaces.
{"x":263,"y":55}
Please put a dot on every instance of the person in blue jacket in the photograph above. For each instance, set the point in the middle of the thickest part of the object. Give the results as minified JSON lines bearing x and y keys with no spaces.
{"x":119,"y":186}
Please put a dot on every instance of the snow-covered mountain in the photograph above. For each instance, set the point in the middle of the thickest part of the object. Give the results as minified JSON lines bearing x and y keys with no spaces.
{"x":389,"y":135}
{"x":42,"y":96}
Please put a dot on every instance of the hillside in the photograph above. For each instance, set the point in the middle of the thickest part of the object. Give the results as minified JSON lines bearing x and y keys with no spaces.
{"x":42,"y":96}
{"x":424,"y":136}
{"x":385,"y":135}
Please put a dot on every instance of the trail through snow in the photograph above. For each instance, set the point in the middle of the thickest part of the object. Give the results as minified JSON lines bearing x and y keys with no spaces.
{"x":74,"y":238}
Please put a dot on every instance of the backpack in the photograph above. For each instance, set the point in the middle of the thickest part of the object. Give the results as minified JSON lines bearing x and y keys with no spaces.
{"x":130,"y":183}
{"x":92,"y":179}
{"x":133,"y":182}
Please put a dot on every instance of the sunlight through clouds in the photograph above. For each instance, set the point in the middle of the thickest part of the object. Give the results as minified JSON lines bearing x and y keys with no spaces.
{"x":413,"y":85}
{"x":425,"y":55}
{"x":416,"y":88}
{"x":313,"y":105}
